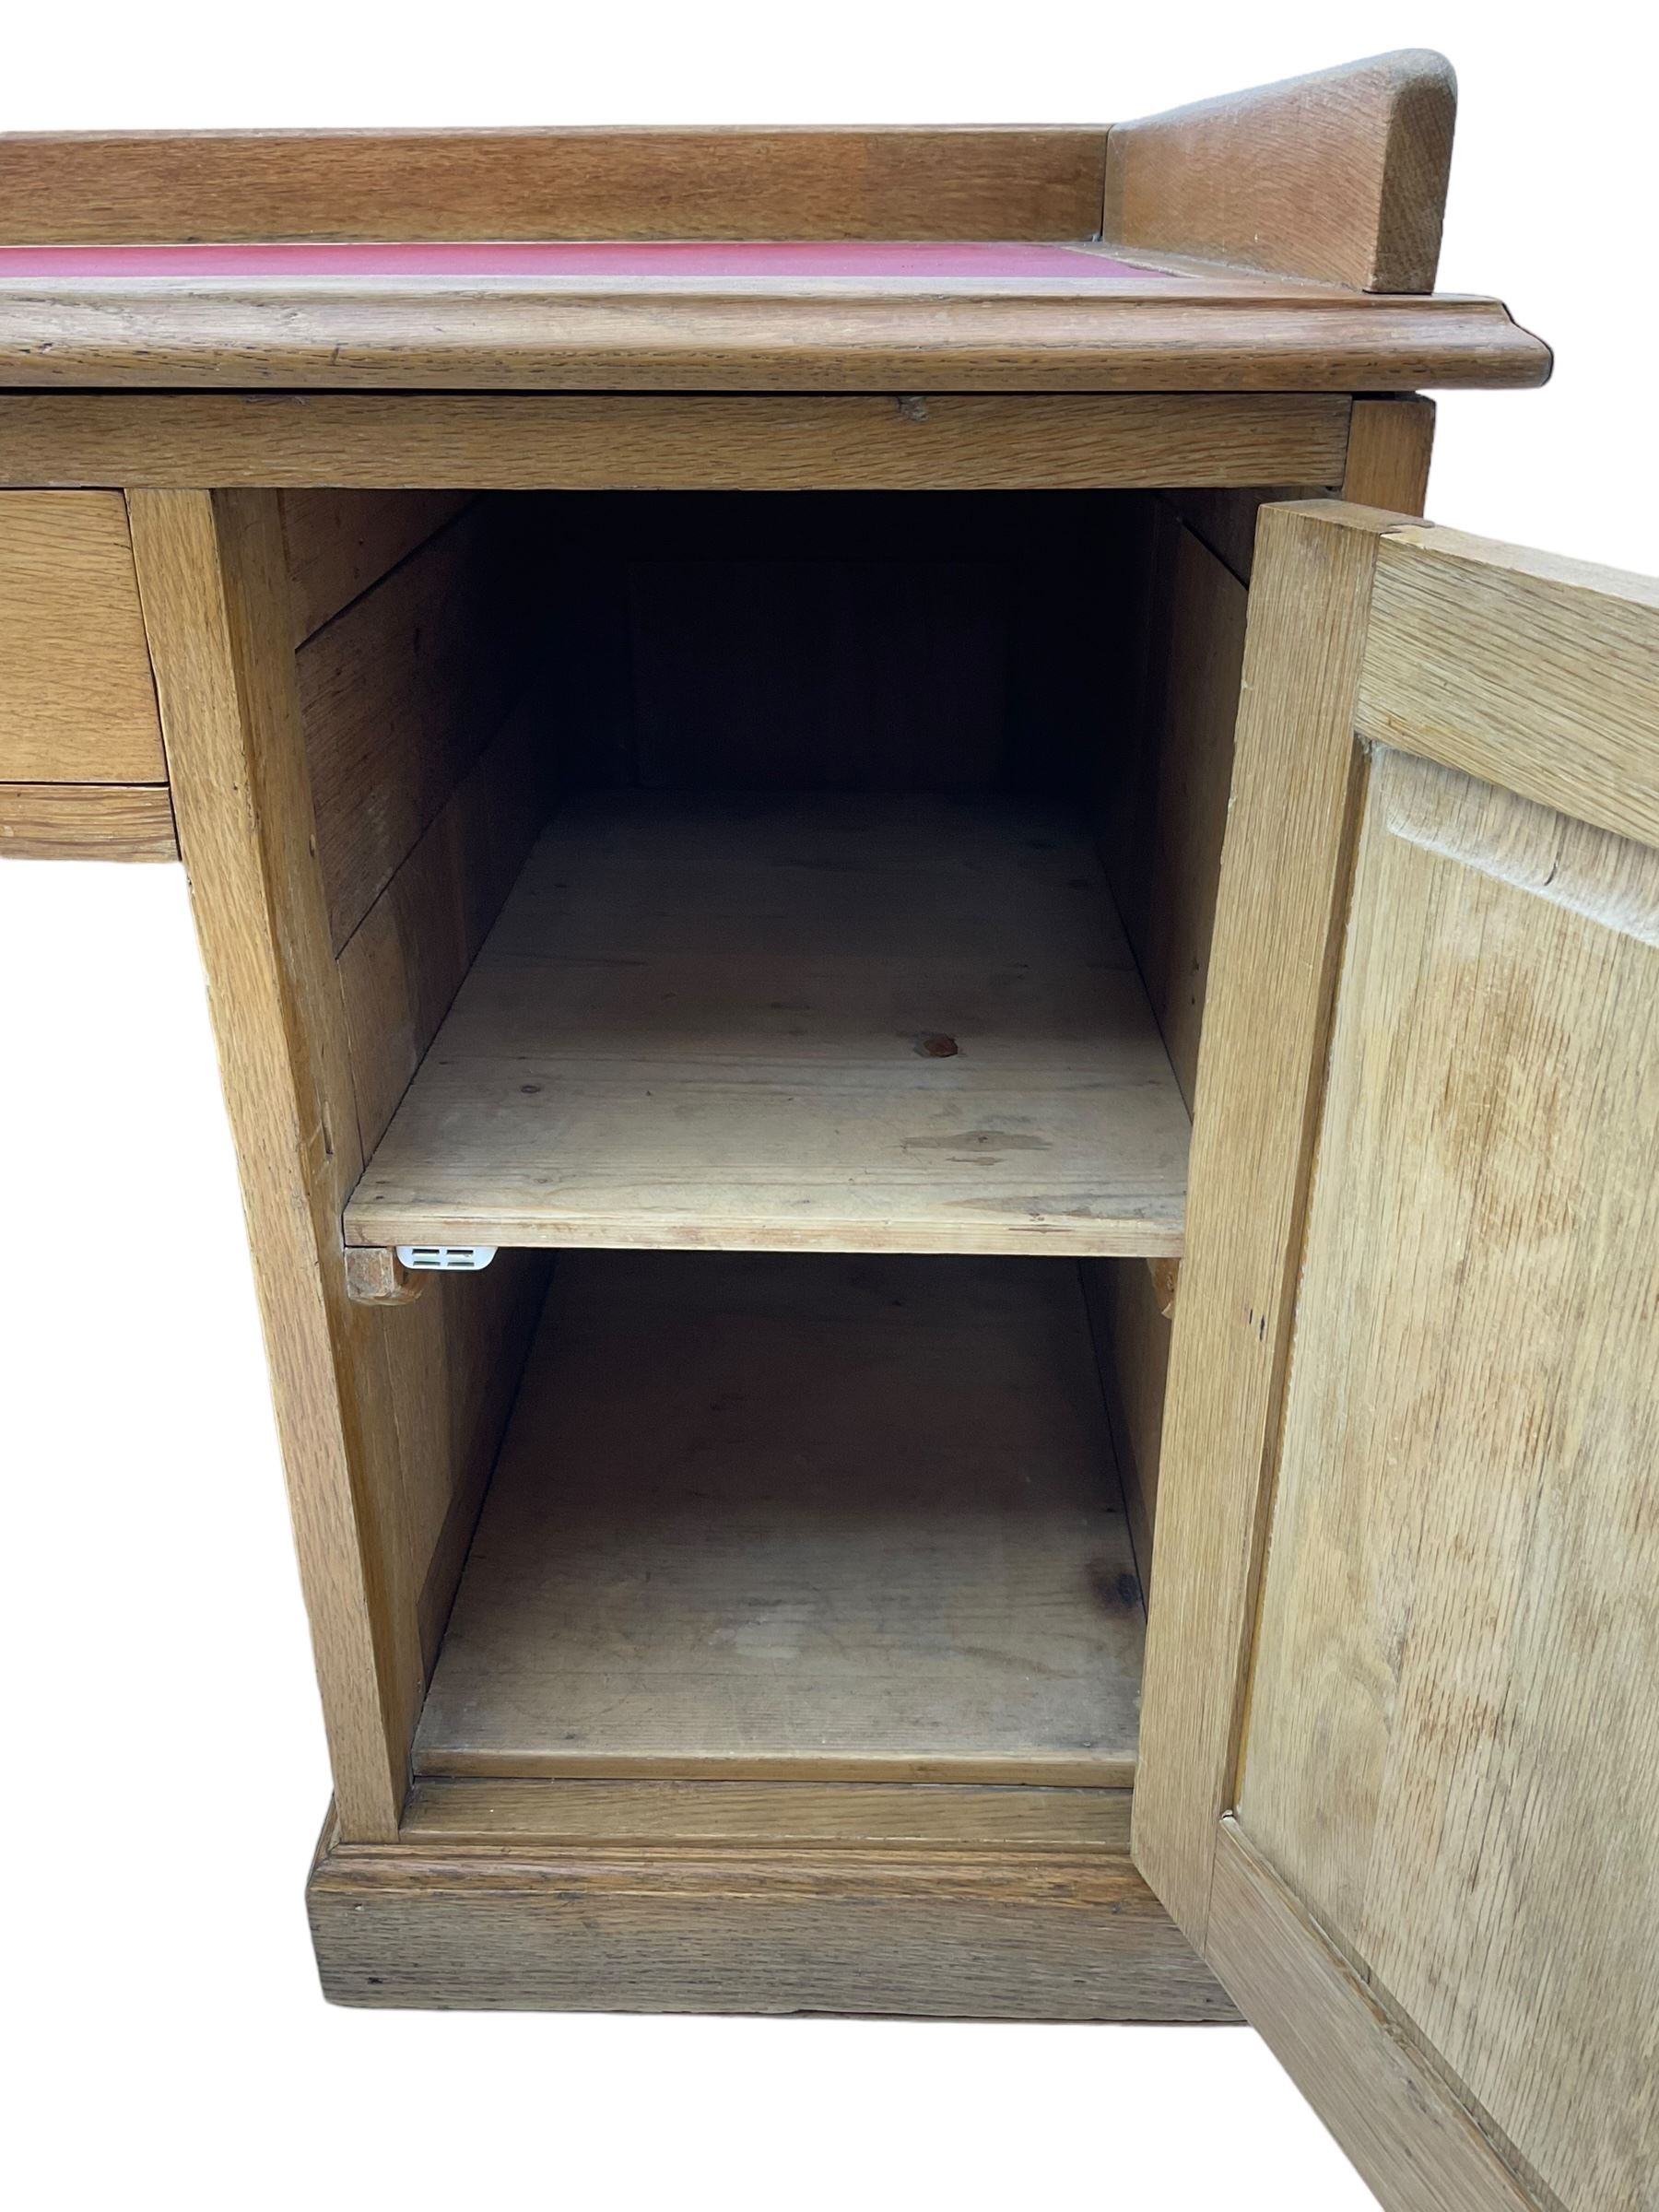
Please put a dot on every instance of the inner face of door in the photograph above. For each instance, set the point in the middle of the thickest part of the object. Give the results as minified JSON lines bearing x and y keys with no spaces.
{"x":1448,"y":1753}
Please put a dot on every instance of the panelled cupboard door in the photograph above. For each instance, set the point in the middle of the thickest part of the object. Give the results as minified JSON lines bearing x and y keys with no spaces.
{"x":1399,"y":1775}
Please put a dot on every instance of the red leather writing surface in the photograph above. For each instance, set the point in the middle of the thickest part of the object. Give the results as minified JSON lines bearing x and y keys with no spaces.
{"x":781,"y":258}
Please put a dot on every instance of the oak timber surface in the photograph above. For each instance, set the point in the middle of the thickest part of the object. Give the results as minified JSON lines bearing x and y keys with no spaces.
{"x":444,"y":1812}
{"x":816,"y":1518}
{"x":748,"y":442}
{"x":728,"y":1022}
{"x":1340,"y":175}
{"x":1021,"y":1935}
{"x":1043,"y":335}
{"x":738,"y":183}
{"x":1452,"y":1756}
{"x":77,"y":703}
{"x":86,"y":821}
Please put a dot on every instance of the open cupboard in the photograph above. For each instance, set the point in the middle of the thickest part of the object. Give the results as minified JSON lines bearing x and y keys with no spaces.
{"x":1028,"y":1016}
{"x":740,"y":905}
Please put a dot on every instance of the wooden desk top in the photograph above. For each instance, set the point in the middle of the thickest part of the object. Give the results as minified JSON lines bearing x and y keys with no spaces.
{"x":1283,"y":240}
{"x":755,"y":315}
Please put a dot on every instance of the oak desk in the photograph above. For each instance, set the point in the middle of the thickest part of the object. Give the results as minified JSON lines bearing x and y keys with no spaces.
{"x":815,"y":1123}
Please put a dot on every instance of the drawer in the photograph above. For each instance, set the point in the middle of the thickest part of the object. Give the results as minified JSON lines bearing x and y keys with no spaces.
{"x":77,"y":700}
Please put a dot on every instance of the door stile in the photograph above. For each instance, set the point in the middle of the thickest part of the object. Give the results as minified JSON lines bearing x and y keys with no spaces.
{"x":1255,"y":1117}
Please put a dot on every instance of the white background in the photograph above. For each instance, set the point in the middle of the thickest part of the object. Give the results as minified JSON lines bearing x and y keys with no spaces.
{"x":162,"y":1740}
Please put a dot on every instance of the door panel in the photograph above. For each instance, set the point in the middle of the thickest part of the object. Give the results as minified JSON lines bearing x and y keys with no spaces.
{"x":1429,"y":1527}
{"x":1450,"y":1749}
{"x":1416,"y":2143}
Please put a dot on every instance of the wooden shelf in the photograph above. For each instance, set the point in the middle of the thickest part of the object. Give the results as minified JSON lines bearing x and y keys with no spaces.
{"x":780,"y":1517}
{"x":727,"y":1023}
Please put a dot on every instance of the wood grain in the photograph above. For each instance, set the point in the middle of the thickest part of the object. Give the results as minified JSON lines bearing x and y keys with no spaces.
{"x":398,"y":696}
{"x":1158,"y":337}
{"x":1386,"y":464}
{"x":341,"y":542}
{"x":1525,"y":668}
{"x":553,"y":1816}
{"x":1390,"y":444}
{"x":1412,"y":2141}
{"x":86,"y":821}
{"x":1164,"y":1277}
{"x":78,"y":704}
{"x":376,"y":1277}
{"x":1224,"y":522}
{"x":1451,"y":1755}
{"x":1162,"y":802}
{"x":1034,"y":1936}
{"x":1340,"y":175}
{"x":455,"y":1358}
{"x":705,"y":442}
{"x":390,"y":1417}
{"x":1277,"y":914}
{"x":1131,"y":1351}
{"x":1406,"y":1571}
{"x":402,"y":966}
{"x":393,"y":686}
{"x":214,"y":582}
{"x":771,"y":1516}
{"x":826,"y":1024}
{"x":89,"y":187}
{"x":1168,"y":805}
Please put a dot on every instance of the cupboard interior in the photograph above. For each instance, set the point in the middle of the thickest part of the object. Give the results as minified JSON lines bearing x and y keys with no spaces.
{"x":732,"y":847}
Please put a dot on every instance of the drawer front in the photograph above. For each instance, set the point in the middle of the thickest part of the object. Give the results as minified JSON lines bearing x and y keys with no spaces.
{"x":86,"y":821}
{"x":76,"y":702}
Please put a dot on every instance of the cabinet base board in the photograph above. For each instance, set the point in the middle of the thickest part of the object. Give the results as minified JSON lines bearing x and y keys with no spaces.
{"x":1072,"y":1935}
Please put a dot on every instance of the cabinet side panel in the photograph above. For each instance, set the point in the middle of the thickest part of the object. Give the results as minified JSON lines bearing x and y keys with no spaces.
{"x":1162,"y":814}
{"x":433,"y":776}
{"x":1131,"y":1335}
{"x":214,"y":585}
{"x":341,"y":543}
{"x":399,"y":695}
{"x":1164,"y":795}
